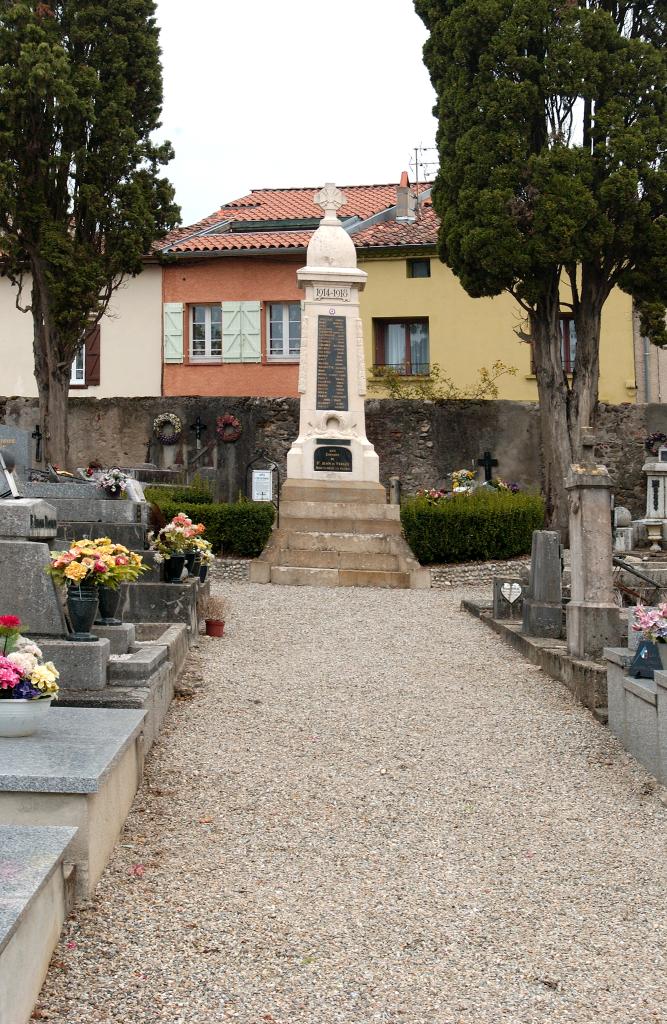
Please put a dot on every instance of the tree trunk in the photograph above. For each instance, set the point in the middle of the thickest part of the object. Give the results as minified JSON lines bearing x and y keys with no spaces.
{"x":553,"y":392}
{"x":52,"y":374}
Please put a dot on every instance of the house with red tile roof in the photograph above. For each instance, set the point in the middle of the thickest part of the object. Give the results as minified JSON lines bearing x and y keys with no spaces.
{"x":232,"y":308}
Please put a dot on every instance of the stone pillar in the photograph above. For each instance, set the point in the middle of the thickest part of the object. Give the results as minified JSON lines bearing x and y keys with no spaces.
{"x":593,"y":620}
{"x":543,"y":605}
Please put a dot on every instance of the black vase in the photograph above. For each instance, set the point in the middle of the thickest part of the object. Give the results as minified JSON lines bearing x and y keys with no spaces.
{"x":109,"y":604}
{"x":196,"y":565}
{"x":190,"y":561}
{"x":173,"y":567}
{"x":82,"y":608}
{"x":203,"y":573}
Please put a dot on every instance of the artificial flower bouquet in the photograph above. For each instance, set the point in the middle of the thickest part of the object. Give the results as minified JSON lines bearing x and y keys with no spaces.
{"x":205,"y":550}
{"x":23,"y":676}
{"x":432,"y":495}
{"x":651,"y":623}
{"x":462,"y":480}
{"x":98,"y":561}
{"x":114,"y":482}
{"x":176,"y":538}
{"x":505,"y":485}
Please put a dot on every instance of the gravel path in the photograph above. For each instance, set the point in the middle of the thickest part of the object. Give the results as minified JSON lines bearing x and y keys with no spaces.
{"x":372,"y":810}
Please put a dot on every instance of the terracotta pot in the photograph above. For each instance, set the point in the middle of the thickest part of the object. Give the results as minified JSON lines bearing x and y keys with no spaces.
{"x":215,"y":627}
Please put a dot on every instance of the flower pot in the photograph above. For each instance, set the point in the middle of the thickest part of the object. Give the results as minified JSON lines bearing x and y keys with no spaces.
{"x":190,"y":561}
{"x":173,"y":568}
{"x":215,"y":627}
{"x":82,"y":606}
{"x":114,"y":494}
{"x":109,"y":600}
{"x":196,"y":566}
{"x":23,"y":717}
{"x":203,"y":573}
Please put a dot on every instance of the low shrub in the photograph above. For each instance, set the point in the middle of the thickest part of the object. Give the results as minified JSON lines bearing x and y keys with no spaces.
{"x":472,"y":527}
{"x":241,"y":528}
{"x":196,"y":494}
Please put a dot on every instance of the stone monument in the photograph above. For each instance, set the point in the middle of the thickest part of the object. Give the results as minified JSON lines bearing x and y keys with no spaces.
{"x":332,"y":443}
{"x":543,"y":604}
{"x":592,"y":617}
{"x":336,"y":528}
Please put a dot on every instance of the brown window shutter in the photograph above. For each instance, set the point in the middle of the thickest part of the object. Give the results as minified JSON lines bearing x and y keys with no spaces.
{"x":379,"y":344}
{"x":93,"y":356}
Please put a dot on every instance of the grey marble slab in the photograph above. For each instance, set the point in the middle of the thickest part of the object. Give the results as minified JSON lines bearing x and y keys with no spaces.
{"x":28,"y":857}
{"x":72,"y":753}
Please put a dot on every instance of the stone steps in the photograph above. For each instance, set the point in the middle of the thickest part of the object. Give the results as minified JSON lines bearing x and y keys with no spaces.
{"x":352,"y":493}
{"x":315,"y":540}
{"x":338,"y":524}
{"x":340,"y":510}
{"x":334,"y":559}
{"x":295,"y":576}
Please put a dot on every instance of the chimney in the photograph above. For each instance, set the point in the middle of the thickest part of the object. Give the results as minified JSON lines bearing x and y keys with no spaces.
{"x":406,"y":203}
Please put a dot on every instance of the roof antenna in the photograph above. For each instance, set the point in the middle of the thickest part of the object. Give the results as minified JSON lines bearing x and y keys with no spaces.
{"x":419,"y":164}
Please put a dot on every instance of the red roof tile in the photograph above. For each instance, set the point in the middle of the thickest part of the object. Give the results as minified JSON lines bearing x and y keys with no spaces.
{"x":244,"y":240}
{"x":391,"y":232}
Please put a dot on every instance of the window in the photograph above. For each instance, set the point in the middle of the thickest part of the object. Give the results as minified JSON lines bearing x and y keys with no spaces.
{"x":402,"y":346}
{"x":78,"y":371}
{"x":419,"y":268}
{"x":206,"y":332}
{"x":568,"y":342}
{"x":284,"y":331}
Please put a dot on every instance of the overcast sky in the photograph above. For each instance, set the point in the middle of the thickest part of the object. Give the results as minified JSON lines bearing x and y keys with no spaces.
{"x":263,"y":93}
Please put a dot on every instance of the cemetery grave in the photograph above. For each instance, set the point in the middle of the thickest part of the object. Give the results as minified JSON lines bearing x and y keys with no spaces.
{"x":65,"y":790}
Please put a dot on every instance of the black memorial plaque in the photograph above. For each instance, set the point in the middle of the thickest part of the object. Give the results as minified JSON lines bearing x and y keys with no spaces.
{"x":331,"y":363}
{"x":333,"y":458}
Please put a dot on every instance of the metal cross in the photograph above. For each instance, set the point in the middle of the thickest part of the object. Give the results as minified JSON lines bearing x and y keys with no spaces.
{"x":199,"y":429}
{"x":37,"y":435}
{"x":488,"y":462}
{"x":330,"y":199}
{"x":149,"y":446}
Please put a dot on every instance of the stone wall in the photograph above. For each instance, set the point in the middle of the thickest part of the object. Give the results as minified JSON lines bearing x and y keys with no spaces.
{"x":420,"y":442}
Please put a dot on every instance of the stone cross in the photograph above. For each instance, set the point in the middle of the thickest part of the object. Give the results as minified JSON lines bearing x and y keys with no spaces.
{"x":199,"y":429}
{"x":330,"y":199}
{"x":588,"y":441}
{"x":488,"y":462}
{"x":37,"y":436}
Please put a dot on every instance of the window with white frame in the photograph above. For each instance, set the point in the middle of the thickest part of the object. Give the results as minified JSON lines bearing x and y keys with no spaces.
{"x":284,"y":330}
{"x":78,"y":370}
{"x":206,"y":332}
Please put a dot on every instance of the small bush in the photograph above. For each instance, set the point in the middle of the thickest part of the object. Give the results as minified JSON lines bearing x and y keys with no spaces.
{"x":241,"y":528}
{"x":197,"y":494}
{"x":469,"y":528}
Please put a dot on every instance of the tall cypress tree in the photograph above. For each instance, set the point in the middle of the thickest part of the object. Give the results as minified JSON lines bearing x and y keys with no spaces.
{"x":552,"y":184}
{"x":81,"y":197}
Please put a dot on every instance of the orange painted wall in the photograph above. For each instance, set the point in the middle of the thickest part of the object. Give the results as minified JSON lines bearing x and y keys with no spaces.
{"x":231,"y":279}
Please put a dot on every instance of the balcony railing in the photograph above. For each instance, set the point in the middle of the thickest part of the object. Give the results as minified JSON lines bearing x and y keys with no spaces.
{"x":403,"y":369}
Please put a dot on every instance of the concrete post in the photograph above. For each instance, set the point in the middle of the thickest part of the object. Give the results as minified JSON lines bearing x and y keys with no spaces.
{"x":592,"y":618}
{"x":394,"y":490}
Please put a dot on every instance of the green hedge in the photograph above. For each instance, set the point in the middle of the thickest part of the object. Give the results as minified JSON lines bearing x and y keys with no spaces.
{"x":471,"y":528}
{"x":242,"y":528}
{"x":194,"y":495}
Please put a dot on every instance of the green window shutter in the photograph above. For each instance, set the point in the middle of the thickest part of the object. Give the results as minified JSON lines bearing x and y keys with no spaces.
{"x":231,"y":332}
{"x":251,"y":338}
{"x":173,"y":332}
{"x":241,"y":332}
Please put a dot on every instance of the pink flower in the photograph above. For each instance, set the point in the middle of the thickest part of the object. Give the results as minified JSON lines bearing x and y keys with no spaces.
{"x":10,"y":674}
{"x":122,"y":560}
{"x":100,"y":567}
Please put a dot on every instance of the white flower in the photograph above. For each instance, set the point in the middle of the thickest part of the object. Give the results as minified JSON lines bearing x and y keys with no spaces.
{"x":28,"y":647}
{"x":26,"y":662}
{"x":159,"y":558}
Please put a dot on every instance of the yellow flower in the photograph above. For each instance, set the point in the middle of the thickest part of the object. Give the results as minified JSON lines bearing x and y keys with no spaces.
{"x":75,"y":571}
{"x":44,"y":677}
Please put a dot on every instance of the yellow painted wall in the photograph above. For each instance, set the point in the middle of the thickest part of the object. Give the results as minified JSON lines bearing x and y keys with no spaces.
{"x":465,"y":333}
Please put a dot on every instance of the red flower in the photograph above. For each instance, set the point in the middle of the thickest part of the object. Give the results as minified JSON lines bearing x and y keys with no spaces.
{"x":12,"y":621}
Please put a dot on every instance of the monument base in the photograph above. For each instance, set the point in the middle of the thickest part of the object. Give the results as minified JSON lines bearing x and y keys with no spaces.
{"x":338,"y":534}
{"x":591,"y":627}
{"x":333,"y":458}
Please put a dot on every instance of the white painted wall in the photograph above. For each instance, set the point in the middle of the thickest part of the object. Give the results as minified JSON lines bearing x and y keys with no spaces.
{"x":131,"y":342}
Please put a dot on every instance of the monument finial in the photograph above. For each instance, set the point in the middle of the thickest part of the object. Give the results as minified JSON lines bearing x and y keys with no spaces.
{"x":330,"y":199}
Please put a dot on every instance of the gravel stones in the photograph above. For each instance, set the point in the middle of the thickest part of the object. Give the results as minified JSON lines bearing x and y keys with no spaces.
{"x":372,"y":810}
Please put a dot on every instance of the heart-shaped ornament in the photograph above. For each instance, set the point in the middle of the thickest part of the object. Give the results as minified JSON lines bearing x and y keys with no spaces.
{"x":511,"y":592}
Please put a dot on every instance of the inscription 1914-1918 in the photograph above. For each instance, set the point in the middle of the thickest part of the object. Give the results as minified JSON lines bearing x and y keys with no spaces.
{"x":331,"y":363}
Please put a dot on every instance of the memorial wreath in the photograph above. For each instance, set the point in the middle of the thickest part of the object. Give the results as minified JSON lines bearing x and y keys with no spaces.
{"x":654,"y":441}
{"x":228,"y":428}
{"x":167,"y":428}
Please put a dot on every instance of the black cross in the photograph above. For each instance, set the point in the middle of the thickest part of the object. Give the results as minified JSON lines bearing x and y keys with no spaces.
{"x":37,"y":434}
{"x":488,"y":462}
{"x":149,"y":445}
{"x":199,"y":429}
